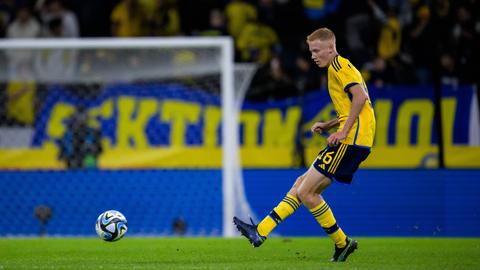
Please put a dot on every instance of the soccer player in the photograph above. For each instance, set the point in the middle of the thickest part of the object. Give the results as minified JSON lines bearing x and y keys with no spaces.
{"x":346,"y":149}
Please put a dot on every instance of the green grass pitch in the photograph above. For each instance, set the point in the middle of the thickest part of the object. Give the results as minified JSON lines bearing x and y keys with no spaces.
{"x":217,"y":253}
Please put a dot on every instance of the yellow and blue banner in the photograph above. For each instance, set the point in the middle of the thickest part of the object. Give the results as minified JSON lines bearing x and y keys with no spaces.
{"x":172,"y":126}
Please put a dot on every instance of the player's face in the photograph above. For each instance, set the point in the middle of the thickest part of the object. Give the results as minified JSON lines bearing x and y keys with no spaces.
{"x":322,"y":52}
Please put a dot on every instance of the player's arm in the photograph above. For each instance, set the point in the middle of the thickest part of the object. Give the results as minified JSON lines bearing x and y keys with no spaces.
{"x":320,"y":126}
{"x":359,"y":97}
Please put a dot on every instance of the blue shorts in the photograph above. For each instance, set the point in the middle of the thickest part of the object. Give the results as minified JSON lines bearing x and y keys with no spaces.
{"x":340,"y":162}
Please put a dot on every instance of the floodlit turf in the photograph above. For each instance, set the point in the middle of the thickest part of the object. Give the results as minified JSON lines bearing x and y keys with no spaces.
{"x":217,"y":253}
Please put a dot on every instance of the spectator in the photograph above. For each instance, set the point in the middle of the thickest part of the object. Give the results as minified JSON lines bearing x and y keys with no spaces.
{"x":305,"y":76}
{"x":195,"y":15}
{"x":417,"y":40}
{"x":216,"y":26}
{"x":57,"y":65}
{"x":465,"y":37}
{"x":128,"y":19}
{"x":448,"y":71}
{"x":53,"y":9}
{"x":380,"y":73}
{"x":291,"y":32}
{"x":24,"y":26}
{"x":20,"y":101}
{"x":360,"y":34}
{"x":257,"y":42}
{"x":20,"y":89}
{"x":239,"y":13}
{"x":271,"y":83}
{"x":164,"y":19}
{"x":390,"y":37}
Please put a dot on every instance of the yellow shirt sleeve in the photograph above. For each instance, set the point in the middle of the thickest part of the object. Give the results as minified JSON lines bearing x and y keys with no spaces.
{"x":347,"y":75}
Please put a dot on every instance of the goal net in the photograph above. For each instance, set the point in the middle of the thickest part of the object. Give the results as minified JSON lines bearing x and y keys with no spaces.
{"x":123,"y":104}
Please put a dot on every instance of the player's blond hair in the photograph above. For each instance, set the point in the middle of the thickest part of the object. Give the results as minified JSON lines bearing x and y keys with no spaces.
{"x":322,"y":34}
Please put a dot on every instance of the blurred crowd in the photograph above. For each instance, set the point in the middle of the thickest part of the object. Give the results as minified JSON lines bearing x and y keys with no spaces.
{"x":390,"y":41}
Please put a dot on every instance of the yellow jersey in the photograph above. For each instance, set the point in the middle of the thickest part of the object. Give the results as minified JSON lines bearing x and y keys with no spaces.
{"x":341,"y":76}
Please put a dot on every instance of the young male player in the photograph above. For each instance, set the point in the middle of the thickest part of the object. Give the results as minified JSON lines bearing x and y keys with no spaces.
{"x":346,"y":149}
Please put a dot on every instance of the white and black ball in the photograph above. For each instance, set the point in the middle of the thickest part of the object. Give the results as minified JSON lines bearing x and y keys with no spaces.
{"x":111,"y":225}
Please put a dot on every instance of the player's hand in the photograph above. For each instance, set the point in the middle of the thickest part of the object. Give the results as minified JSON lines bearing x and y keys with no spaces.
{"x":318,"y":127}
{"x":335,"y":138}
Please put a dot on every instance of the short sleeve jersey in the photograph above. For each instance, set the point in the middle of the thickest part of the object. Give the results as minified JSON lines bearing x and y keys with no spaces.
{"x":341,"y":76}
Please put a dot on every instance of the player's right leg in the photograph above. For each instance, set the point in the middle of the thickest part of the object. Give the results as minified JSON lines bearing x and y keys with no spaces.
{"x":257,"y":234}
{"x":310,"y":193}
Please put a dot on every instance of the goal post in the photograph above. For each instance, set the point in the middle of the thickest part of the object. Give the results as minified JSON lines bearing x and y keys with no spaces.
{"x":230,"y":138}
{"x":215,"y":59}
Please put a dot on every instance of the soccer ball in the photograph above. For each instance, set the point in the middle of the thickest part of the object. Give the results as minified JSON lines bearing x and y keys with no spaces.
{"x":111,"y":225}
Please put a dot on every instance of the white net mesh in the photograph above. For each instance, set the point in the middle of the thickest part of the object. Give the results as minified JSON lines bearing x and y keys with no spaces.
{"x":120,"y":104}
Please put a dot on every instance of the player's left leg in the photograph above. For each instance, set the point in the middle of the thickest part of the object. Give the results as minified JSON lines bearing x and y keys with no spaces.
{"x":257,"y":234}
{"x":283,"y":210}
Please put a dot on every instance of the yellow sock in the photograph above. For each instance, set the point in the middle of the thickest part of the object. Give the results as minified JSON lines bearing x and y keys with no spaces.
{"x":284,"y":209}
{"x":325,"y":218}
